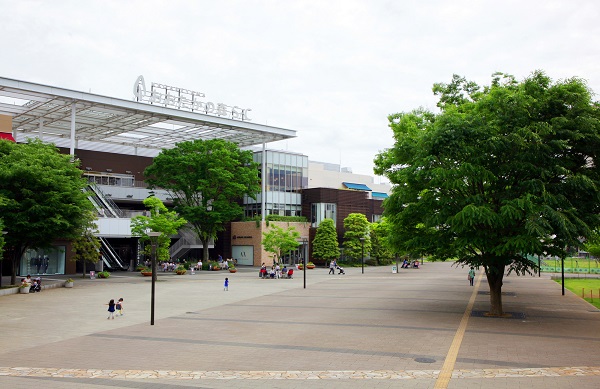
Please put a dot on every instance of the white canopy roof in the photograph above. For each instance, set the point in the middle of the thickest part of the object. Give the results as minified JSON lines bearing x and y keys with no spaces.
{"x":116,"y":125}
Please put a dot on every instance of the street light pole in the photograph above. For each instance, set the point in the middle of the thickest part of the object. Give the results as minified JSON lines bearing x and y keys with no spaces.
{"x":362,"y":243}
{"x":305,"y":249}
{"x":153,"y":237}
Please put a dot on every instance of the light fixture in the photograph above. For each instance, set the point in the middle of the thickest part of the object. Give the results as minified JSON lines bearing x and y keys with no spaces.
{"x":128,"y":171}
{"x":88,"y":168}
{"x":129,"y":196}
{"x":109,"y":170}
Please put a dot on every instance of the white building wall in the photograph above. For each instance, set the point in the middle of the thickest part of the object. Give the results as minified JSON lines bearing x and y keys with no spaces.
{"x":114,"y":227}
{"x":319,"y":176}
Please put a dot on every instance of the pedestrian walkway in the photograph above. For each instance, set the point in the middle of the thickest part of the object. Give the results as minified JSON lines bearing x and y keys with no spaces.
{"x":422,"y":328}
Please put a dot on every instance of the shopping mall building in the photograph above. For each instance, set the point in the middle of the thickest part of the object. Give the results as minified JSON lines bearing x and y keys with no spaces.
{"x":116,"y":139}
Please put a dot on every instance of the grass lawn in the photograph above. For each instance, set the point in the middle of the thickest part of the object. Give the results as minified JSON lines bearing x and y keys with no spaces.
{"x":587,"y":285}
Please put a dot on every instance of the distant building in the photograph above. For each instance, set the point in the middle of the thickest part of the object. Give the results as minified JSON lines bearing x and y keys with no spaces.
{"x":115,"y":140}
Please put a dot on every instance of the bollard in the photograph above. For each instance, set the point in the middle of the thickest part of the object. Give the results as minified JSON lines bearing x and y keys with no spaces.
{"x":583,"y":293}
{"x":591,"y":296}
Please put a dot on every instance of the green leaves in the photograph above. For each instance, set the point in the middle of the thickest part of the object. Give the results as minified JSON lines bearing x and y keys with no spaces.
{"x":357,"y":226}
{"x":325,"y":244}
{"x":502,"y":171}
{"x":44,"y":198}
{"x":206,"y":180}
{"x":279,"y":241}
{"x":160,"y":220}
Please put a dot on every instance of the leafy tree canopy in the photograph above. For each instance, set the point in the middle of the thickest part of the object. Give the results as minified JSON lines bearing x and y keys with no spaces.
{"x":500,"y":172}
{"x":381,"y":249}
{"x":356,"y":226}
{"x":160,"y":220}
{"x":325,"y":244}
{"x":279,"y":242}
{"x":206,"y":179}
{"x":45,"y":198}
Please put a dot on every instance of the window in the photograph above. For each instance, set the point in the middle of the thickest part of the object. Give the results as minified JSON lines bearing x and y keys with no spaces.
{"x":320,"y":211}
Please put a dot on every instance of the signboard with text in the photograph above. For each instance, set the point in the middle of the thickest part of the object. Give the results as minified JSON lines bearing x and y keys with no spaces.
{"x":179,"y":98}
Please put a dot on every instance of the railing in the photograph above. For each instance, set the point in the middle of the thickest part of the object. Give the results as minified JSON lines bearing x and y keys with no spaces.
{"x":110,"y":257}
{"x":101,"y":208}
{"x":108,"y":203}
{"x":188,"y":240}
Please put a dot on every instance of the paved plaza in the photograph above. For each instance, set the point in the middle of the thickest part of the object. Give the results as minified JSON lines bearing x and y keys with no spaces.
{"x":421,"y":328}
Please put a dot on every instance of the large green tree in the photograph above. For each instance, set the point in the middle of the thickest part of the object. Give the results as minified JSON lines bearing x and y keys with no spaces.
{"x":207,"y":180}
{"x":45,"y":198}
{"x":325,"y":244}
{"x":500,"y":172}
{"x":356,"y":226}
{"x":279,"y":242}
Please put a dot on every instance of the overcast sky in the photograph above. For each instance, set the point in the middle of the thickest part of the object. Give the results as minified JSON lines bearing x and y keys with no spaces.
{"x":330,"y":70}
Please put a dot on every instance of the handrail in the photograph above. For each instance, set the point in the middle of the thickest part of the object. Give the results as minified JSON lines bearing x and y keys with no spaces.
{"x":106,"y":247}
{"x":108,"y":202}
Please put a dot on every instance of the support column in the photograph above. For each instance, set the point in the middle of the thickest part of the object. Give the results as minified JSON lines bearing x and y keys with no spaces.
{"x":41,"y":130}
{"x":263,"y":179}
{"x":72,"y":150}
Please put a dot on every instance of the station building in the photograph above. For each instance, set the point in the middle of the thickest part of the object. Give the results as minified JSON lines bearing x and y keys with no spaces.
{"x":116,"y":139}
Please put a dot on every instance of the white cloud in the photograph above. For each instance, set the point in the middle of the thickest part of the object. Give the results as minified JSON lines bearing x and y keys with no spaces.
{"x":332,"y":70}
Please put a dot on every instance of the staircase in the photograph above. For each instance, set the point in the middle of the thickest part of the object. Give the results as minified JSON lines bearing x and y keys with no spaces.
{"x":186,"y":242}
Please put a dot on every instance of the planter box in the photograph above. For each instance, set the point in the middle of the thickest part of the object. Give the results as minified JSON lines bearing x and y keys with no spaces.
{"x":146,"y":273}
{"x":180,"y":272}
{"x":232,"y":270}
{"x":68,"y":284}
{"x":24,"y":290}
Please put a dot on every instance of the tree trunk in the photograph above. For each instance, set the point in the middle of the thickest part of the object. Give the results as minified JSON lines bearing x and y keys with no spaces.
{"x":84,"y":262}
{"x":495,"y":274}
{"x":13,"y":270}
{"x":205,"y":249}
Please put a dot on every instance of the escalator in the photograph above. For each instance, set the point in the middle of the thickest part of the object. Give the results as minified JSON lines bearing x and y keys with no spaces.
{"x":104,"y":206}
{"x":110,"y":257}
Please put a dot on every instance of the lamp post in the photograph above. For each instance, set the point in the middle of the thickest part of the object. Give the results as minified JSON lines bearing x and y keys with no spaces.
{"x":304,"y":254}
{"x":362,"y":244}
{"x":153,"y":237}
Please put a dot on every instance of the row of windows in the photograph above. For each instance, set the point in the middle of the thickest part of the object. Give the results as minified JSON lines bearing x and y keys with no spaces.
{"x":284,"y":159}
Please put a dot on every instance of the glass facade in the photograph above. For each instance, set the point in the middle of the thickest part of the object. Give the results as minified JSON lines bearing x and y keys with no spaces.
{"x":37,"y":262}
{"x":320,"y":211}
{"x":286,"y":174}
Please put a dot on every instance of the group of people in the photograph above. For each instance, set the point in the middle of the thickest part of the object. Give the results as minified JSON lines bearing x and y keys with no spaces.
{"x":276,"y":271}
{"x":115,"y":308}
{"x":333,"y":265}
{"x":34,"y":284}
{"x":407,"y":264}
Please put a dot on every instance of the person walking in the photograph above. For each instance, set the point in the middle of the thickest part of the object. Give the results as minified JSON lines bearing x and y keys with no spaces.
{"x":332,"y":267}
{"x":119,"y":306}
{"x":226,"y":284}
{"x":471,"y":275}
{"x":111,"y":309}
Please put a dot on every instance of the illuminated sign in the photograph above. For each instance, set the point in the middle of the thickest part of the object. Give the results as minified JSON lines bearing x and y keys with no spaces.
{"x":179,"y":98}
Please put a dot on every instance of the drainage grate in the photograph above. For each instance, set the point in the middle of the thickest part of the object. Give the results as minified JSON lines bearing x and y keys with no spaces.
{"x":507,"y":315}
{"x":425,"y":360}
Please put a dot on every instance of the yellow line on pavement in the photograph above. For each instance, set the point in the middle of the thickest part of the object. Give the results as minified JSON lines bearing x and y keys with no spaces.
{"x":446,"y":373}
